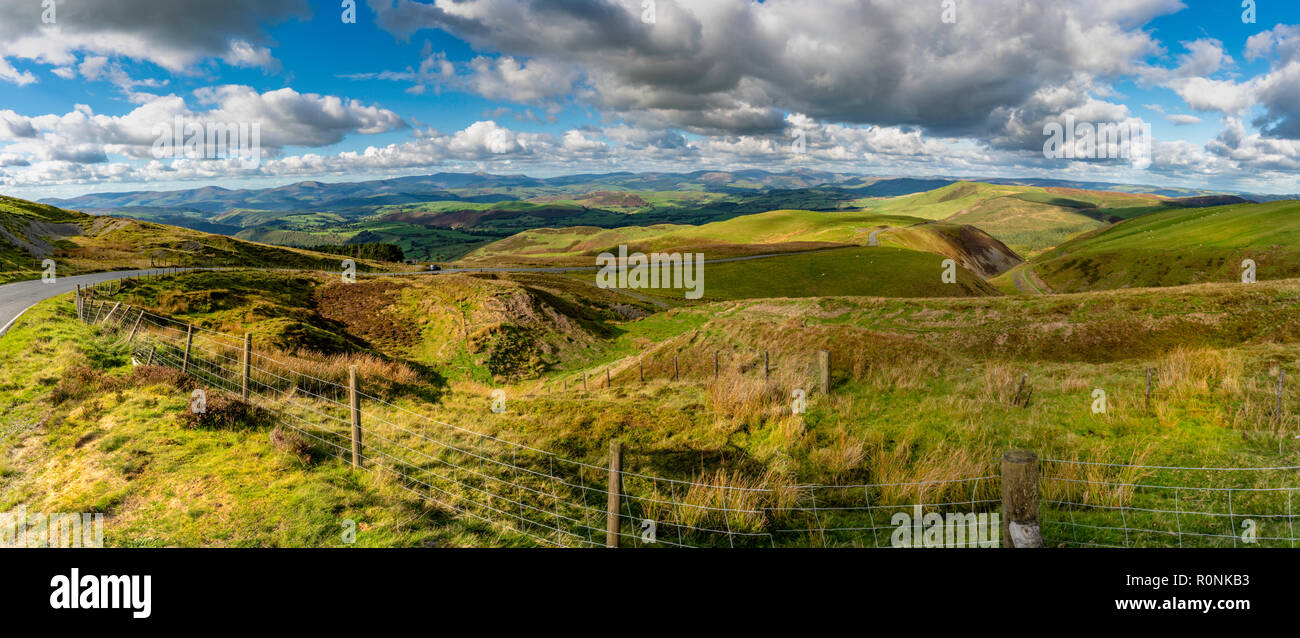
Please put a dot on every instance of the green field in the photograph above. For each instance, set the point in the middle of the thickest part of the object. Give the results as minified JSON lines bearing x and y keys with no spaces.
{"x":1180,"y":246}
{"x":843,"y":272}
{"x":1028,"y":219}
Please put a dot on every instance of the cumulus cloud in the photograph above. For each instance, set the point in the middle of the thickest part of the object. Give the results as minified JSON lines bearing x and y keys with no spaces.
{"x":174,"y":35}
{"x":286,"y":118}
{"x":736,"y":67}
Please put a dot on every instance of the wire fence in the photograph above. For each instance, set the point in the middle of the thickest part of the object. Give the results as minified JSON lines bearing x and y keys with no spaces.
{"x":551,"y":500}
{"x":547,"y":498}
{"x":1120,"y":505}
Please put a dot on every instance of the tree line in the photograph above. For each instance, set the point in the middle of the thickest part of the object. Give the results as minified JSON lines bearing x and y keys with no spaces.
{"x":370,"y":250}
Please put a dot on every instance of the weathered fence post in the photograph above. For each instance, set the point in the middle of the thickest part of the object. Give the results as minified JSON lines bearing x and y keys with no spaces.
{"x":189,"y":339}
{"x":135,"y":327}
{"x":248,"y":348}
{"x":640,"y":370}
{"x":676,"y":375}
{"x":767,"y":369}
{"x":584,"y":380}
{"x":615,"y":491}
{"x":1020,"y":500}
{"x":1021,"y":399}
{"x":355,"y":403}
{"x":715,"y":365}
{"x":606,"y":376}
{"x":824,"y":370}
{"x":149,"y":361}
{"x":110,"y":312}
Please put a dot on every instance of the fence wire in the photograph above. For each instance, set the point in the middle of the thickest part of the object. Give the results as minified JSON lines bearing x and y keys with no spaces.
{"x":551,"y":500}
{"x":547,"y":498}
{"x":1117,"y":505}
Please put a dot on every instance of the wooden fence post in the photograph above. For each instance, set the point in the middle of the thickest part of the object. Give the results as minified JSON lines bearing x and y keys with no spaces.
{"x":189,"y":339}
{"x":149,"y":361}
{"x":135,"y":327}
{"x":767,"y":369}
{"x":1020,"y":500}
{"x":110,"y":312}
{"x":584,"y":380}
{"x":607,"y":377}
{"x":824,"y":370}
{"x":355,"y":402}
{"x":248,"y":347}
{"x":615,"y":491}
{"x":676,"y":374}
{"x":640,"y":370}
{"x":715,"y":365}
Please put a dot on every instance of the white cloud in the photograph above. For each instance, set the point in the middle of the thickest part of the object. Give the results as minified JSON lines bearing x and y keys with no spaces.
{"x":174,"y":37}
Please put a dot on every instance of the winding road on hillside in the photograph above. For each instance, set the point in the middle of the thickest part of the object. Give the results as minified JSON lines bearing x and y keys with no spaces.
{"x":1026,"y":281}
{"x":17,"y":297}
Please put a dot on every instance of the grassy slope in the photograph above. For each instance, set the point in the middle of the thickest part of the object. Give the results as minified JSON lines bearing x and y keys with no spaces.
{"x":878,"y":271}
{"x":764,"y":233}
{"x":107,"y":243}
{"x":116,"y":447}
{"x":455,"y":326}
{"x":922,"y":386}
{"x":1178,"y":247}
{"x":1028,"y":219}
{"x":775,"y":227}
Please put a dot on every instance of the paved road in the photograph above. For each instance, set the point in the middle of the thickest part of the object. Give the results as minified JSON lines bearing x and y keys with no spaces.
{"x":17,"y":297}
{"x":1024,"y":281}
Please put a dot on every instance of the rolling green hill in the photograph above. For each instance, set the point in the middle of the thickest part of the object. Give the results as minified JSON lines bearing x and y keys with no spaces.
{"x":844,"y":272}
{"x":1181,"y":246}
{"x":1029,"y":219}
{"x":767,"y":233}
{"x":79,"y":243}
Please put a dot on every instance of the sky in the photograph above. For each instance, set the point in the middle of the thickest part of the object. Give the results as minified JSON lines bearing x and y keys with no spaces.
{"x":93,"y":93}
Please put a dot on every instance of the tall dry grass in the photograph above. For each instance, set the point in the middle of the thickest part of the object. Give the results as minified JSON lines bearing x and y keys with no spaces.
{"x":1101,"y":484}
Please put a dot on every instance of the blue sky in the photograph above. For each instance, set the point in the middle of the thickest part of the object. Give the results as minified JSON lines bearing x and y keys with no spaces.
{"x":887,"y":87}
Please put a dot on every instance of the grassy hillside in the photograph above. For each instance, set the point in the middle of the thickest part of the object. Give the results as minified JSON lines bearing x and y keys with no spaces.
{"x":1029,"y":219}
{"x":765,"y":233}
{"x":1180,"y":246}
{"x":1026,"y":219}
{"x":448,"y":326}
{"x":921,"y":391}
{"x":861,"y":272}
{"x":86,"y":431}
{"x":80,"y":243}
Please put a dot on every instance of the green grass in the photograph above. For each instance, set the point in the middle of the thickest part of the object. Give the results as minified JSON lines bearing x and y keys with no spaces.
{"x":120,"y":450}
{"x":1026,"y":218}
{"x":1180,"y":246}
{"x":879,"y":271}
{"x":921,"y":391}
{"x":84,"y":243}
